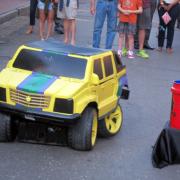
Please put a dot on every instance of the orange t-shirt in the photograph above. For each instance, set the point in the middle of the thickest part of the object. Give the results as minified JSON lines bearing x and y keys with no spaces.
{"x":129,"y":5}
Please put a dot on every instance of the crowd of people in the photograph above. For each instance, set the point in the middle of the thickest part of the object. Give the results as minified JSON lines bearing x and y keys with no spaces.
{"x":131,"y":19}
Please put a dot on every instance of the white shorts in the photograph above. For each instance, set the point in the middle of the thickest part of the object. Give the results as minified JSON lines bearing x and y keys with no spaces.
{"x":69,"y":12}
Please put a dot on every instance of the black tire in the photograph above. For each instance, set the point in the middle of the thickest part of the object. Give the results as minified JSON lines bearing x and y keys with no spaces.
{"x":7,"y":129}
{"x":115,"y":119}
{"x":82,"y":136}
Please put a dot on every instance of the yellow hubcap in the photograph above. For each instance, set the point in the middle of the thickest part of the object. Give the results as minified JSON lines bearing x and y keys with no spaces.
{"x":94,"y":130}
{"x":114,"y":121}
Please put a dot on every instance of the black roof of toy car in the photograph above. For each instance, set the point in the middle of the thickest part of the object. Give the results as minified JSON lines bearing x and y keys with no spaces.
{"x":57,"y":46}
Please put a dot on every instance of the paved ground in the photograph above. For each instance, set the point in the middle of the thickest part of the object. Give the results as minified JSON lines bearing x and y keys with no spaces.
{"x":126,"y":156}
{"x":10,"y":9}
{"x":10,"y":5}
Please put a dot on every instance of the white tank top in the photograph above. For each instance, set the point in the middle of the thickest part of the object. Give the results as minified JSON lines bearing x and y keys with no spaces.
{"x":168,"y":1}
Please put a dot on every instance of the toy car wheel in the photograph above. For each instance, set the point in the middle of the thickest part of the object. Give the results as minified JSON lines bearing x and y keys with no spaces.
{"x":111,"y":124}
{"x":83,"y":135}
{"x":7,"y":130}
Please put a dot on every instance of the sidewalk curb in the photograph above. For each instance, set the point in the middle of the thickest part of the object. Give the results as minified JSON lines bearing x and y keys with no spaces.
{"x":20,"y":11}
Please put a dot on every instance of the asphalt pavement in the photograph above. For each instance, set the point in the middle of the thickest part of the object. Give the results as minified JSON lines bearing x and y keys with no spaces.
{"x":10,"y":9}
{"x":125,"y":156}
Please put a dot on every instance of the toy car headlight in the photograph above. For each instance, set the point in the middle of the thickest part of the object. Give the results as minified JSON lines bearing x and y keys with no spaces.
{"x":2,"y":94}
{"x":63,"y":105}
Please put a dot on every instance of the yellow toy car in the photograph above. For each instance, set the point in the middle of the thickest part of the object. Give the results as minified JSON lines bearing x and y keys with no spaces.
{"x":64,"y":85}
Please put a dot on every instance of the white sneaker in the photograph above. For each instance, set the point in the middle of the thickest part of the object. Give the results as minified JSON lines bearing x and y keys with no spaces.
{"x":131,"y":55}
{"x":120,"y":52}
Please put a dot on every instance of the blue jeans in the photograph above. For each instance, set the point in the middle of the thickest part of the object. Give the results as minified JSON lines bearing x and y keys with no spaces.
{"x":105,"y":8}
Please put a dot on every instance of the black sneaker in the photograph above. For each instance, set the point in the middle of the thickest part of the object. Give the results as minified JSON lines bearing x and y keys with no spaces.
{"x":178,"y":25}
{"x":136,"y":46}
{"x":147,"y":46}
{"x":59,"y":30}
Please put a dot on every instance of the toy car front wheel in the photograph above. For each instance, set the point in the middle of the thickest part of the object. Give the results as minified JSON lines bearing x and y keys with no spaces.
{"x":83,"y":135}
{"x":111,"y":124}
{"x":7,"y":129}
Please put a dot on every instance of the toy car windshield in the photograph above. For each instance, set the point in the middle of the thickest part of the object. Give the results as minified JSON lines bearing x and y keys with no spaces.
{"x":52,"y":63}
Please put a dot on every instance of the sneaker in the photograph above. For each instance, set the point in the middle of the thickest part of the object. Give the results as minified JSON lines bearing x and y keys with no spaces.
{"x":124,"y":52}
{"x":178,"y":25}
{"x":120,"y":53}
{"x":131,"y":55}
{"x":59,"y":30}
{"x":142,"y":53}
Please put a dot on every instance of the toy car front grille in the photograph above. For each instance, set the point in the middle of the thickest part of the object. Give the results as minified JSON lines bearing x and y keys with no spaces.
{"x":29,"y":99}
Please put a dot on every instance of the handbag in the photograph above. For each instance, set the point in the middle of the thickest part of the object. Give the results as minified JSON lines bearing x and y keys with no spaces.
{"x":166,"y":18}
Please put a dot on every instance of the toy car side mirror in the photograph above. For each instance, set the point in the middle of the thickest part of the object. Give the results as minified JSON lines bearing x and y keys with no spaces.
{"x":95,"y":79}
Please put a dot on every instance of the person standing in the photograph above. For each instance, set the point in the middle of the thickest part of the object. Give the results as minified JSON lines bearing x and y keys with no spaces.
{"x":172,"y":7}
{"x":178,"y":19}
{"x":46,"y":11}
{"x":153,"y":5}
{"x":32,"y":15}
{"x":103,"y":9}
{"x":68,"y":12}
{"x":127,"y":23}
{"x":58,"y":23}
{"x":143,"y":24}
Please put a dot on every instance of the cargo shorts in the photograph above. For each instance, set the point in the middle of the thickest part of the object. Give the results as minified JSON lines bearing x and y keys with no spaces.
{"x":144,"y":19}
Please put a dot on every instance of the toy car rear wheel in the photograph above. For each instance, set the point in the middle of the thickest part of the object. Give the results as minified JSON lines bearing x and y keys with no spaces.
{"x":111,"y":124}
{"x":7,"y":129}
{"x":83,"y":135}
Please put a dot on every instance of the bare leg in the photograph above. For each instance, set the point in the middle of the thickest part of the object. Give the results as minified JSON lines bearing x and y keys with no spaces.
{"x":50,"y":23}
{"x":141,"y":38}
{"x":126,"y":42}
{"x":66,"y":30}
{"x":142,"y":53}
{"x":73,"y":31}
{"x":120,"y":41}
{"x":30,"y":30}
{"x":120,"y":44}
{"x":42,"y":23}
{"x":131,"y":42}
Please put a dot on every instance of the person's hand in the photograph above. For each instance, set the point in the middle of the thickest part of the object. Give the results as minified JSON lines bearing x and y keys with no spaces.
{"x":169,"y":7}
{"x":118,"y":14}
{"x":92,"y":10}
{"x":126,"y":12}
{"x":164,"y":7}
{"x":129,"y":11}
{"x":55,"y":1}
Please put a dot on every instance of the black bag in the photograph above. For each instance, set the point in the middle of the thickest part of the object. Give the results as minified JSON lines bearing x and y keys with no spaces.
{"x":166,"y":150}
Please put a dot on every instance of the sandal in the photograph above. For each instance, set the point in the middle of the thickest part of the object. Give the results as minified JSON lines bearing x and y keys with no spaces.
{"x":169,"y":50}
{"x":159,"y":49}
{"x":30,"y":30}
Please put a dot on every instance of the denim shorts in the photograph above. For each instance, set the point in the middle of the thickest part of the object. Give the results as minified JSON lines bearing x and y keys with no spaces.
{"x":126,"y":28}
{"x":41,"y":5}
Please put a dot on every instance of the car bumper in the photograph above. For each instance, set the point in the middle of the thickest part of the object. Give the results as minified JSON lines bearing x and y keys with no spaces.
{"x":24,"y":113}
